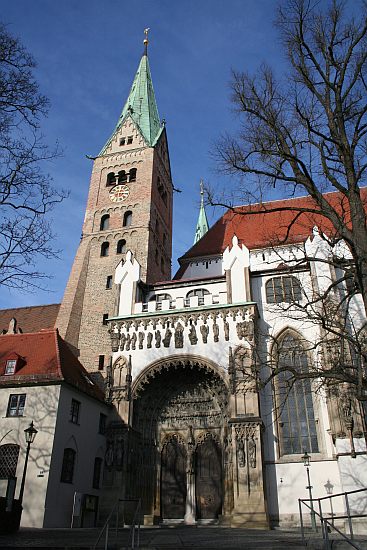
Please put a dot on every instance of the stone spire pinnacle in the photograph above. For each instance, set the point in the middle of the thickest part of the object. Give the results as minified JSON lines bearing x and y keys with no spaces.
{"x":141,"y":105}
{"x":202,"y":224}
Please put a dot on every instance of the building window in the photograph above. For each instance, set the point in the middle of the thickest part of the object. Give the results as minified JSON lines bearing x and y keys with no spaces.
{"x":121,"y":247}
{"x":10,"y":366}
{"x":200,"y":292}
{"x":104,"y":319}
{"x":105,"y":222}
{"x":105,"y":248}
{"x":68,"y":464}
{"x":16,"y":404}
{"x":129,"y":140}
{"x":111,"y":179}
{"x":109,"y":282}
{"x":122,"y":141}
{"x":100,"y":362}
{"x":283,"y":289}
{"x":74,"y":411}
{"x":8,"y":460}
{"x":132,"y":174}
{"x":122,"y":176}
{"x":102,"y":423}
{"x":294,"y":404}
{"x":97,"y":472}
{"x":128,"y":218}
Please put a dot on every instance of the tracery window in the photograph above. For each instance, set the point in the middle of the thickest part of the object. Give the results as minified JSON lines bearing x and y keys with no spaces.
{"x":294,"y":403}
{"x":8,"y":460}
{"x":283,"y":289}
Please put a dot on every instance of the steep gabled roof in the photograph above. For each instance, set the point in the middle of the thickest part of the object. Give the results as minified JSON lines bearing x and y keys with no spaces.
{"x":31,"y":318}
{"x":141,"y":106}
{"x":266,"y":224}
{"x":46,"y":359}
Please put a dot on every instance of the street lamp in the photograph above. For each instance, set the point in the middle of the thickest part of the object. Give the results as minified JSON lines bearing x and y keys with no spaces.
{"x":306,"y":461}
{"x":30,"y":434}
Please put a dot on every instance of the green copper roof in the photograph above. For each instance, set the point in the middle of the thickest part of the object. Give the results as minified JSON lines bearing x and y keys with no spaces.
{"x":202,"y":225}
{"x":141,"y":106}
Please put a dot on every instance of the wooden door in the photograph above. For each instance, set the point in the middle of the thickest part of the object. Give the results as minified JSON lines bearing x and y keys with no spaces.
{"x":208,"y":468}
{"x":173,"y":480}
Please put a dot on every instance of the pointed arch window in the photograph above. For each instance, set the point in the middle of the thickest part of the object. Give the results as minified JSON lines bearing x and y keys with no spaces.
{"x":105,"y":222}
{"x":121,"y":247}
{"x":128,"y":218}
{"x":283,"y":289}
{"x":295,"y":413}
{"x":111,"y":179}
{"x":105,"y":249}
{"x":68,"y":464}
{"x":132,"y":175}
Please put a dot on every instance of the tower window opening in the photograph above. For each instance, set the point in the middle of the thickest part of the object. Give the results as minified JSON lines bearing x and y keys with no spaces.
{"x":121,"y":247}
{"x":105,"y":222}
{"x":109,"y":282}
{"x":128,"y":218}
{"x":122,"y":176}
{"x":122,"y":141}
{"x":100,"y":362}
{"x":156,"y":257}
{"x":129,"y":140}
{"x":111,"y":179}
{"x":164,"y":239}
{"x":162,"y":264}
{"x":104,"y":319}
{"x":105,"y":248}
{"x":132,"y":174}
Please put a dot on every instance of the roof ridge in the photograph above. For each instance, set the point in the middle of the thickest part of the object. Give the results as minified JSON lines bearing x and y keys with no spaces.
{"x":28,"y":307}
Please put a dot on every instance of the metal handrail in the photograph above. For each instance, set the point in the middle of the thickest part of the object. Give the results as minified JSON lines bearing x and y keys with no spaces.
{"x":135,"y":522}
{"x":327,"y":523}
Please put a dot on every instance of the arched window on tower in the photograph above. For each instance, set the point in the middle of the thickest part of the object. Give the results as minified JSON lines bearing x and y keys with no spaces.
{"x":121,"y":247}
{"x":105,"y":248}
{"x":122,"y":176}
{"x":200,"y":292}
{"x":105,"y":222}
{"x":111,"y":179}
{"x":283,"y":289}
{"x":293,"y":398}
{"x":128,"y":218}
{"x":132,"y":174}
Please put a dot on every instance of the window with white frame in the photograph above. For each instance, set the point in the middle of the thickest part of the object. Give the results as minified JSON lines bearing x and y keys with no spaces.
{"x":16,"y":404}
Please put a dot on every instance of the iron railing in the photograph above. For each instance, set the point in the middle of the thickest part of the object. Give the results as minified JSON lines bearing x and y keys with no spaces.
{"x":118,"y":514}
{"x":328,"y":518}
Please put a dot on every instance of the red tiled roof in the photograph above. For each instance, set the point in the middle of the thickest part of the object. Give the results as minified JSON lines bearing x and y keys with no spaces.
{"x":267,"y":227}
{"x":47,"y":358}
{"x":31,"y":318}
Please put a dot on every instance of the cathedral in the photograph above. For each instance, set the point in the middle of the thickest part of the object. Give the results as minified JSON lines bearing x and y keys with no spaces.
{"x":188,"y":427}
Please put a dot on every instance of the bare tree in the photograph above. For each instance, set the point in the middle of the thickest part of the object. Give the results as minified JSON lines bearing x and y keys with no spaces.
{"x":26,"y":196}
{"x":306,"y":134}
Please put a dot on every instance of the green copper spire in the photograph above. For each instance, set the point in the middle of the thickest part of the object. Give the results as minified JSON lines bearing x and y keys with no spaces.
{"x":141,"y":105}
{"x":202,"y":225}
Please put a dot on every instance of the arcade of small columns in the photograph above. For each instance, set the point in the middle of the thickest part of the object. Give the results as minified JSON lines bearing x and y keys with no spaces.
{"x":188,"y":402}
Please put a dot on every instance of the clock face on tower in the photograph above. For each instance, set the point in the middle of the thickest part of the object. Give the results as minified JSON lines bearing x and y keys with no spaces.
{"x":119,"y":193}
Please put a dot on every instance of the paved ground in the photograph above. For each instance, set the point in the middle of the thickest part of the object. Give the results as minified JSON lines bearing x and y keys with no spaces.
{"x":166,"y":538}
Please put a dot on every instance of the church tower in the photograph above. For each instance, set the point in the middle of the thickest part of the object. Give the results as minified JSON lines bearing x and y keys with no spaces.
{"x":129,"y":208}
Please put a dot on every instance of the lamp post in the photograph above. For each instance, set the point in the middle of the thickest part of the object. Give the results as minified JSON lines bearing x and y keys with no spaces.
{"x":30,"y":434}
{"x":306,"y":461}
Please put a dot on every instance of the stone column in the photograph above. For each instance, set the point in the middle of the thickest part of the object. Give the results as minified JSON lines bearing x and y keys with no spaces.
{"x":190,"y":511}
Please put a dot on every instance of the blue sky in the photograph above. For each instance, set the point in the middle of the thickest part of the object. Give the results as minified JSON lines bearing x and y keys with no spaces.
{"x":87,"y":53}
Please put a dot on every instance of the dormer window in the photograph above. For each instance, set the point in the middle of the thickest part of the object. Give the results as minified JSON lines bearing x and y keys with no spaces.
{"x":11,"y":366}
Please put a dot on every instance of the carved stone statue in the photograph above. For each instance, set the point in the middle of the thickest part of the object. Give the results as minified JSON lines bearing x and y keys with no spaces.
{"x":204,"y":329}
{"x":157,"y":339}
{"x":252,"y":452}
{"x":128,"y":342}
{"x":122,"y":342}
{"x":216,"y":332}
{"x":133,"y":341}
{"x":192,"y":335}
{"x":149,"y":340}
{"x":141,"y":337}
{"x":245,"y":330}
{"x":179,"y":336}
{"x":167,"y":338}
{"x":226,"y":329}
{"x":241,"y":457}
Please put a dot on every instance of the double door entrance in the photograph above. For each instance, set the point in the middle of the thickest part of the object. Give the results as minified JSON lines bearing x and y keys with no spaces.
{"x":191,"y":480}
